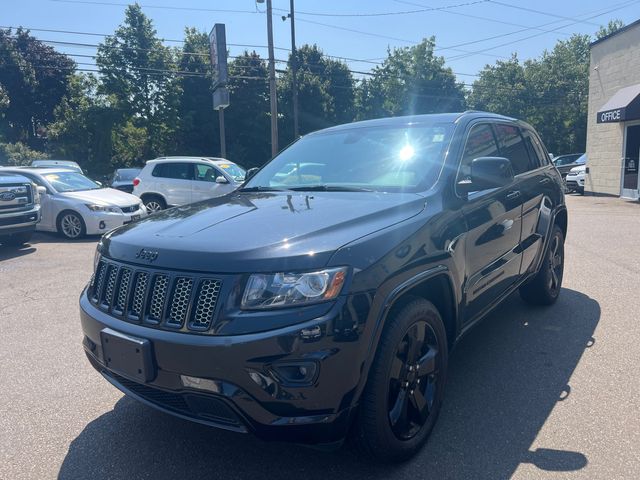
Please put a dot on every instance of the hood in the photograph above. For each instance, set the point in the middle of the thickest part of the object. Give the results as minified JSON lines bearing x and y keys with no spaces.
{"x":103,"y":196}
{"x":578,"y":170}
{"x":263,"y":231}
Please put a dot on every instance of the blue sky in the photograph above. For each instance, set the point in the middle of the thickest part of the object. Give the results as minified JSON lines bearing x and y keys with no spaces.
{"x":461,"y":35}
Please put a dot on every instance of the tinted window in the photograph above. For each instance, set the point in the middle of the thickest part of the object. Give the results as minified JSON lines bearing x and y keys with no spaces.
{"x":537,"y":159}
{"x":206,"y":173}
{"x":513,"y":147}
{"x":125,"y":174}
{"x":388,"y":158}
{"x":180,"y":171}
{"x":480,"y":143}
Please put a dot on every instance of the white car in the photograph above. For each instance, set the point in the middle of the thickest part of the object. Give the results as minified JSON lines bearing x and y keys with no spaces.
{"x":74,"y":205}
{"x":575,"y":179}
{"x":171,"y":181}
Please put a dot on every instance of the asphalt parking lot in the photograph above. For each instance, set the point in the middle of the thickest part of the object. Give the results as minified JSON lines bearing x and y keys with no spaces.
{"x":533,"y":392}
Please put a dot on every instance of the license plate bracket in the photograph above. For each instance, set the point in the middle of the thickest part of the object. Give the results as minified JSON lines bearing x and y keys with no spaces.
{"x":127,"y":356}
{"x":135,"y":217}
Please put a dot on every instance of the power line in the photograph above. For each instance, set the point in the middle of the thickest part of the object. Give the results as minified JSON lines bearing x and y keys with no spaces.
{"x":531,"y":10}
{"x":478,"y":17}
{"x":617,"y":7}
{"x":384,"y":14}
{"x":163,"y":7}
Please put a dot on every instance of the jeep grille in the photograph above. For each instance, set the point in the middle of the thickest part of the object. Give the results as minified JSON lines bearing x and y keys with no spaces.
{"x":165,"y":300}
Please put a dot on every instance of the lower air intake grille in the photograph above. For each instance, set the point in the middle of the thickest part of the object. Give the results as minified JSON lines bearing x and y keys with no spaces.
{"x":165,"y":300}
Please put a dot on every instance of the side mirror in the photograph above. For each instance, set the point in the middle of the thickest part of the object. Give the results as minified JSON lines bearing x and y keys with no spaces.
{"x":42,"y":190}
{"x":250,"y":173}
{"x":221,"y":179}
{"x":487,"y":173}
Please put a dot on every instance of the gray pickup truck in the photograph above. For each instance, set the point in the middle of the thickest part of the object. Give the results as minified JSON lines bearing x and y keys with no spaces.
{"x":19,"y":209}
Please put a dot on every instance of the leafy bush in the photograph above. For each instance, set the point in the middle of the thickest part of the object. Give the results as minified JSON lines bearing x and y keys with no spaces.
{"x":18,"y":154}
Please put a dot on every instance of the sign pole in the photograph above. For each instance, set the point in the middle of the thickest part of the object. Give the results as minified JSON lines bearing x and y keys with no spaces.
{"x":223,"y":143}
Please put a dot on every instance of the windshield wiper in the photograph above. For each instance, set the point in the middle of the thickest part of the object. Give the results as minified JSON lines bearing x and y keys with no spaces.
{"x":330,"y":188}
{"x":262,"y":189}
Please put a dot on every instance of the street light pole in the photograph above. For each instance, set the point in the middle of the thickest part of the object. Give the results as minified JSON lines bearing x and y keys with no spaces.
{"x":294,"y":71}
{"x":272,"y":84}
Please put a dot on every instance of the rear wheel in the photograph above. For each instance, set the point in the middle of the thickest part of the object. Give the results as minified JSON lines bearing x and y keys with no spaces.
{"x":17,"y":239}
{"x":71,"y":225}
{"x":154,"y":203}
{"x":545,"y":287}
{"x":402,"y":398}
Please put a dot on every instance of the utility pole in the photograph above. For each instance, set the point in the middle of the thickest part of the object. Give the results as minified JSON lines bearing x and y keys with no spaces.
{"x":272,"y":83}
{"x":294,"y":71}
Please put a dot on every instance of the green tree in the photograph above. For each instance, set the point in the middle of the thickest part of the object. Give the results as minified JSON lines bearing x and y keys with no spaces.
{"x":34,"y":78}
{"x":559,"y":92}
{"x":197,"y":122}
{"x":551,"y":93}
{"x":247,"y":121}
{"x":502,"y":88}
{"x":138,"y":73}
{"x":326,"y":93}
{"x":612,"y":27}
{"x":82,"y":130}
{"x":411,"y":80}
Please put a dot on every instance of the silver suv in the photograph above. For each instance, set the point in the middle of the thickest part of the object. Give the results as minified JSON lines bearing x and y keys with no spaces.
{"x":171,"y":181}
{"x":19,"y":209}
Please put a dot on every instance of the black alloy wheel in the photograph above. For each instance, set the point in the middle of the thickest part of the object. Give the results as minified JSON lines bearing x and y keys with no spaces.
{"x":401,"y":401}
{"x":413,"y":380}
{"x":545,"y":287}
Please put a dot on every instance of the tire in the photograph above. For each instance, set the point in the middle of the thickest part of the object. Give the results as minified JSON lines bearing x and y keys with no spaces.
{"x":545,"y":287}
{"x":71,"y":225}
{"x":389,"y":426}
{"x":16,"y":239}
{"x":154,"y":203}
{"x":581,"y":191}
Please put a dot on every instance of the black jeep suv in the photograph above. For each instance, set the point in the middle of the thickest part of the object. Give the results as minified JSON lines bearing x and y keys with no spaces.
{"x":324,"y":296}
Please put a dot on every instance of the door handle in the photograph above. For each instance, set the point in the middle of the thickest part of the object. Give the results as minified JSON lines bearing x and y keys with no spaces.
{"x":513,"y":195}
{"x":544,"y":181}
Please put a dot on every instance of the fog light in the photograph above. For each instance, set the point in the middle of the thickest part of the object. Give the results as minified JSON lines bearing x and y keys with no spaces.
{"x":101,"y":225}
{"x":298,"y":373}
{"x":200,"y":383}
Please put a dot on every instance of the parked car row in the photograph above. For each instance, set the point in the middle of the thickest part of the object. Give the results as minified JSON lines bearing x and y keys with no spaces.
{"x":64,"y":200}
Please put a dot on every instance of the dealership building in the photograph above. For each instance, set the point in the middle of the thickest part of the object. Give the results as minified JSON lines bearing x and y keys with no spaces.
{"x":613,"y":126}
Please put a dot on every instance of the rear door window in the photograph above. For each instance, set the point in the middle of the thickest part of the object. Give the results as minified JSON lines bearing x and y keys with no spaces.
{"x":178,"y":171}
{"x":512,"y":146}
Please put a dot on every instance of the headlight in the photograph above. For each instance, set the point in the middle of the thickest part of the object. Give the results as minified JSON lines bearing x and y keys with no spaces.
{"x":103,"y":208}
{"x":285,"y":289}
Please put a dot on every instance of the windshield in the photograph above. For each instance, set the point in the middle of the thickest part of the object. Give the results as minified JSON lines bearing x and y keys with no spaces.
{"x":126,"y":174}
{"x":234,"y":170}
{"x":70,"y":182}
{"x":582,"y":160}
{"x":403,"y":158}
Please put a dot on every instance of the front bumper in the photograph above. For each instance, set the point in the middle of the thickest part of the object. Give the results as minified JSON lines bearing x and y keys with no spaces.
{"x":98,"y":223}
{"x":243,"y":394}
{"x":21,"y":221}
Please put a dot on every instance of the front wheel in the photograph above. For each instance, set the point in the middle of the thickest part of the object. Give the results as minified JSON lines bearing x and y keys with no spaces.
{"x":545,"y":287}
{"x":402,"y":399}
{"x":71,"y":225}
